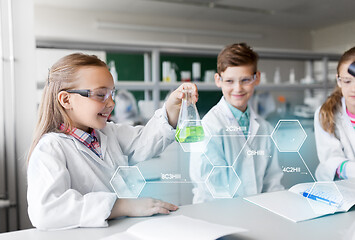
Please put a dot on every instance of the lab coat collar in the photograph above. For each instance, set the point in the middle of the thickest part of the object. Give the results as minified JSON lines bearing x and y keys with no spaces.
{"x":253,"y":117}
{"x":83,"y":148}
{"x":254,"y":124}
{"x":103,"y":143}
{"x":237,"y":113}
{"x":226,"y":111}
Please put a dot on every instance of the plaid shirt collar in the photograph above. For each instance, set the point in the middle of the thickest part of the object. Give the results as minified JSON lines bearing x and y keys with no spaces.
{"x":89,"y":140}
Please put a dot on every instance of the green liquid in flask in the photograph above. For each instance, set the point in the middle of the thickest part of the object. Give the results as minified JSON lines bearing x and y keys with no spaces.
{"x":190,"y":134}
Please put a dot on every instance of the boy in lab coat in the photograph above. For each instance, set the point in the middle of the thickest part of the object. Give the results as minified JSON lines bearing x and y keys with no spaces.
{"x":240,"y":158}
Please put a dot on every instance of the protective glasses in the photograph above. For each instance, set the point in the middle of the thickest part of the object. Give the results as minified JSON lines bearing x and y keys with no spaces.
{"x":243,"y":81}
{"x":99,"y":94}
{"x":346,"y":81}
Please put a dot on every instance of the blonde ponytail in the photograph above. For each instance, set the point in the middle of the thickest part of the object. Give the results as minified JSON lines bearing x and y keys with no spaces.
{"x":328,"y":110}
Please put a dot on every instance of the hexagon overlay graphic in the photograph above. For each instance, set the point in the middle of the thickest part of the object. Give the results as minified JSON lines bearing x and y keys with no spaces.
{"x":324,"y":197}
{"x":258,"y":149}
{"x":223,"y":182}
{"x":294,"y":168}
{"x":193,"y":136}
{"x":127,"y":182}
{"x":288,"y":135}
{"x":202,"y":162}
{"x":218,"y":144}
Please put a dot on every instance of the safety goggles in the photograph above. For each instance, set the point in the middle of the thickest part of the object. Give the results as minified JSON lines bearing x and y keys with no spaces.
{"x":243,"y":81}
{"x":99,"y":94}
{"x":346,"y":81}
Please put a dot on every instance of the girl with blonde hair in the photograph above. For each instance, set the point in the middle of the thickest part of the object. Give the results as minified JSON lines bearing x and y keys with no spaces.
{"x":75,"y":151}
{"x":334,"y":124}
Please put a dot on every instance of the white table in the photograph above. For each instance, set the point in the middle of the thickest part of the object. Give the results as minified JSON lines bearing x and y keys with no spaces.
{"x":261,"y":224}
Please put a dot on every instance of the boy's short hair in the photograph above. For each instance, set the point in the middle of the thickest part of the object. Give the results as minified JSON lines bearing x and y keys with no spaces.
{"x":237,"y":54}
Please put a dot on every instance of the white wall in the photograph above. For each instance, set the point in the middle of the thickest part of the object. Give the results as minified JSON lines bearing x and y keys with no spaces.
{"x":24,"y":43}
{"x":19,"y":100}
{"x":66,"y":24}
{"x":336,"y":38}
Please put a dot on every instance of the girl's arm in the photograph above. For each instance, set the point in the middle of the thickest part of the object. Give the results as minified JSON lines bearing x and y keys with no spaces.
{"x":329,"y":150}
{"x":141,"y":143}
{"x":140,"y":207}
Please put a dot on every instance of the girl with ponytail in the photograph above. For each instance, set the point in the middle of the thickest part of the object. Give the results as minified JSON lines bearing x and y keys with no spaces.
{"x":75,"y":151}
{"x":334,"y":126}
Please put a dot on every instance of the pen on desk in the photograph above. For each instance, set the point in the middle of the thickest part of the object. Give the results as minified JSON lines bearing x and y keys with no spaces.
{"x":320,"y":199}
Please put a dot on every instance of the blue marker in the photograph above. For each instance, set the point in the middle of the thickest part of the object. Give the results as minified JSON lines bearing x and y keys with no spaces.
{"x":320,"y":199}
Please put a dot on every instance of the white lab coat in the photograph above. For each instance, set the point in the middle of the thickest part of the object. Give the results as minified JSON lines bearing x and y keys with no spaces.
{"x":68,"y":185}
{"x":333,"y":149}
{"x":257,"y":173}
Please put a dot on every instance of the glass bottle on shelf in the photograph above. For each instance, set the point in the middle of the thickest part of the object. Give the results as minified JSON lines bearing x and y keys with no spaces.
{"x":196,"y":72}
{"x":281,"y":106}
{"x":277,"y":76}
{"x":292,"y":78}
{"x":166,"y":71}
{"x":189,"y":127}
{"x":113,"y":71}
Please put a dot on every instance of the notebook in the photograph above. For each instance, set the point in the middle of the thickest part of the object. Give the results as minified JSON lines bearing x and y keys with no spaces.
{"x":306,"y":201}
{"x":175,"y":227}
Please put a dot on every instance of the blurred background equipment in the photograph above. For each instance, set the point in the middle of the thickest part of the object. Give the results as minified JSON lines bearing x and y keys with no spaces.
{"x":126,"y":110}
{"x":113,"y":70}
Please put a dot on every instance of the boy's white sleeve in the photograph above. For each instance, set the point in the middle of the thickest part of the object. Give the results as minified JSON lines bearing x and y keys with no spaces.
{"x":52,"y":204}
{"x":329,"y":150}
{"x":144,"y":142}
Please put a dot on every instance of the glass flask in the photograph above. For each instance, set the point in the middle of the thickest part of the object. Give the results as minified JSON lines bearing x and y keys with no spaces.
{"x":189,"y":127}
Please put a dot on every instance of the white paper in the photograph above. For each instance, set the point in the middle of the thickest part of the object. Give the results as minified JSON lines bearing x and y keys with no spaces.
{"x":287,"y":204}
{"x":175,"y":227}
{"x":295,"y":207}
{"x":347,"y":189}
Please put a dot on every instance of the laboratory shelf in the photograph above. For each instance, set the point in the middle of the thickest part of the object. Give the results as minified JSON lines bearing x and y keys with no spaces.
{"x":152,"y":69}
{"x":200,"y":85}
{"x":5,"y":203}
{"x":266,"y":87}
{"x":135,"y":85}
{"x":184,"y":49}
{"x":293,"y":87}
{"x":142,"y":86}
{"x":128,"y":85}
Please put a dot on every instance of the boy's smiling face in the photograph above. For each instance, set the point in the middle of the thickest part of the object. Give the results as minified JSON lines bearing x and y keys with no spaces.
{"x":234,"y":92}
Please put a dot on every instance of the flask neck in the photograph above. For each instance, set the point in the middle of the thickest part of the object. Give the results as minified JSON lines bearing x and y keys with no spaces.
{"x":188,"y":110}
{"x":187,"y":97}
